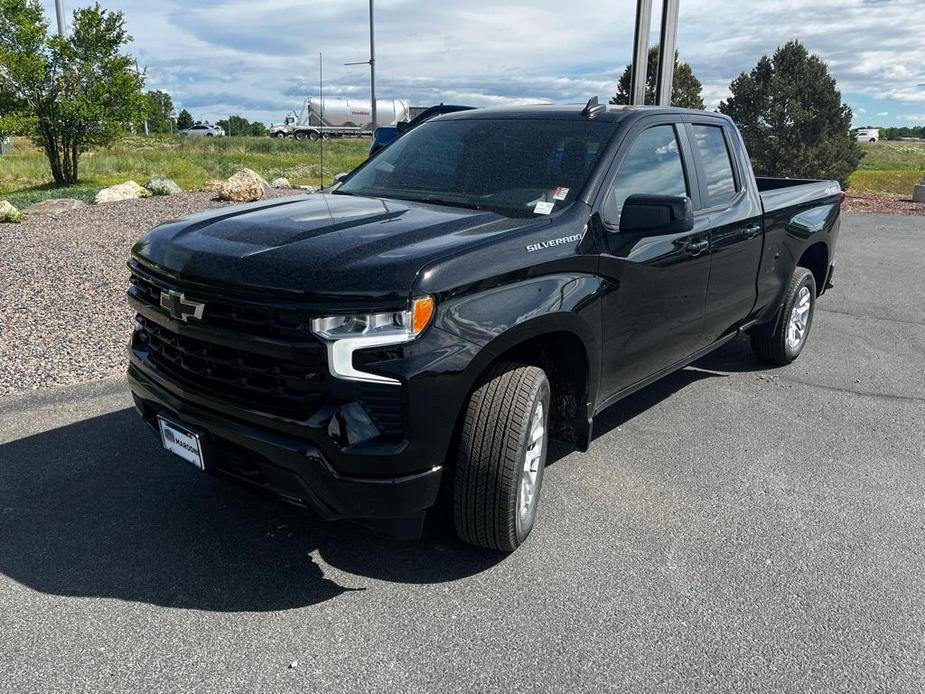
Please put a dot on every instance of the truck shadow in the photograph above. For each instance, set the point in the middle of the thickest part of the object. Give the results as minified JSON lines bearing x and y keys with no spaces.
{"x":98,"y":509}
{"x":733,"y":357}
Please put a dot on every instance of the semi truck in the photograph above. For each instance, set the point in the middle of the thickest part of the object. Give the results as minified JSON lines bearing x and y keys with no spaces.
{"x":339,"y":118}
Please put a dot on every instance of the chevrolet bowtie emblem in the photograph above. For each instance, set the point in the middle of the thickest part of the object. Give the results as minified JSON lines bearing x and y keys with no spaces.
{"x":179,"y":307}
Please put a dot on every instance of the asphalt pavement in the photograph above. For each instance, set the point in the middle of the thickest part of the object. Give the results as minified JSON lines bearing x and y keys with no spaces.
{"x":733,"y":528}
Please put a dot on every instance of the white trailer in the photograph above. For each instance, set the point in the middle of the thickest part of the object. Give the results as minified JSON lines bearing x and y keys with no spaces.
{"x":339,"y":118}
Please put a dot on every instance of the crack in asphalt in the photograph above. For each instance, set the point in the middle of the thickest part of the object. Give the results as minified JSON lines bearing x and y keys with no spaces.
{"x":878,"y":318}
{"x":851,"y":391}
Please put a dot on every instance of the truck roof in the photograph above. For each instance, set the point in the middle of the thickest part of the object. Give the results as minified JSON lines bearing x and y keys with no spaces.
{"x":610,"y":113}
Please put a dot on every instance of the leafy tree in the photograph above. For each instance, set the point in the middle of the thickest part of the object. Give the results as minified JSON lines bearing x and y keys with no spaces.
{"x":686,"y":89}
{"x":78,"y":91}
{"x":159,"y":111}
{"x":10,"y":120}
{"x":184,"y":120}
{"x":792,"y":118}
{"x":238,"y":125}
{"x":235,"y":125}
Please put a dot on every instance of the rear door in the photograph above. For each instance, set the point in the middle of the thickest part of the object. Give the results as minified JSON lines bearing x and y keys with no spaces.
{"x":656,"y":281}
{"x":734,"y":211}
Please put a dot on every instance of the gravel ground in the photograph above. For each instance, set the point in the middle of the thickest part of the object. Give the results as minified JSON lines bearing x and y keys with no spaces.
{"x":63,"y":314}
{"x":886,"y":203}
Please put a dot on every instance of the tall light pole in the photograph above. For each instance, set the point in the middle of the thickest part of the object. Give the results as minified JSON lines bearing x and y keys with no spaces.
{"x":666,"y":47}
{"x":59,"y":7}
{"x":372,"y":65}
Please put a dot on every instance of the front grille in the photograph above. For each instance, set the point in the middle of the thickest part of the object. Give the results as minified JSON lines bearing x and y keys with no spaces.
{"x":259,"y":382}
{"x":260,"y":356}
{"x":252,"y":318}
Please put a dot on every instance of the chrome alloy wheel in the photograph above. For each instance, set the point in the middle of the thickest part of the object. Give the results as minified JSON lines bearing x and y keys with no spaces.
{"x":799,"y":317}
{"x":533,"y":458}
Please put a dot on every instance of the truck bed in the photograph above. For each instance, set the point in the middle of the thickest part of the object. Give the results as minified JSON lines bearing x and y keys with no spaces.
{"x":779,"y":193}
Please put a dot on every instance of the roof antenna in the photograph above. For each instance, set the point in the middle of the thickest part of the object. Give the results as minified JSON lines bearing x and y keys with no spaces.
{"x":592,"y":108}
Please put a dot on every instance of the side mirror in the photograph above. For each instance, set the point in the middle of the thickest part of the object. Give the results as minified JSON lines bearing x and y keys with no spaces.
{"x":341,"y":176}
{"x":668,"y":214}
{"x":402,"y":125}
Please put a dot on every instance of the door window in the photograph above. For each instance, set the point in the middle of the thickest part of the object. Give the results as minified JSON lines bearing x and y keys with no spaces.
{"x":717,"y":166}
{"x":652,"y":166}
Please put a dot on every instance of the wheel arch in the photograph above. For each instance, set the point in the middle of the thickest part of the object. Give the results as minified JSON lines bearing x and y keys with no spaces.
{"x":816,"y":259}
{"x":562,"y":344}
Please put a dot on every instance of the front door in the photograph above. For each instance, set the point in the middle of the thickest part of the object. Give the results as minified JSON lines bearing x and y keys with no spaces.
{"x":657,"y":282}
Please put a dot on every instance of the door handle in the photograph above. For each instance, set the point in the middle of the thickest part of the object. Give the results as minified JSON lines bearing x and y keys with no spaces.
{"x":695,"y":248}
{"x":751,"y":231}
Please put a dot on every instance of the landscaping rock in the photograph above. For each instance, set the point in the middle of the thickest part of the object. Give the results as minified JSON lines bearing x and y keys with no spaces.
{"x":213,"y":185}
{"x":310,"y":189}
{"x":280,"y":183}
{"x":123,"y":191}
{"x":160,"y":185}
{"x":264,"y":182}
{"x":55,"y":206}
{"x":8,"y":213}
{"x":244,"y":186}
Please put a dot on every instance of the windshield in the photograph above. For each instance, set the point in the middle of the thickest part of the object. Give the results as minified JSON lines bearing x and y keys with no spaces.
{"x":514,"y":167}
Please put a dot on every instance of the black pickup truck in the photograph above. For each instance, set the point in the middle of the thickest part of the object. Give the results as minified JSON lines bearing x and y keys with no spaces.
{"x":490,"y":279}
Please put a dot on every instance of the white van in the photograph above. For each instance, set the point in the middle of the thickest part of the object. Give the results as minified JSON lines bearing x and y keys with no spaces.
{"x":868,"y":135}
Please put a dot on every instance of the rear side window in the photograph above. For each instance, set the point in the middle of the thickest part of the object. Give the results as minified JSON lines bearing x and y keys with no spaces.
{"x":652,"y":166}
{"x":717,"y":166}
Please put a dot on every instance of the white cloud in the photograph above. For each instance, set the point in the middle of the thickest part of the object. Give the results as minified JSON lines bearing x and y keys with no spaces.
{"x":915,"y":117}
{"x":884,"y":113}
{"x":261,"y":58}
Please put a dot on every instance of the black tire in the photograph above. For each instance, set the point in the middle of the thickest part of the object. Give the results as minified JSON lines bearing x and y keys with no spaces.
{"x":492,"y":452}
{"x":769,"y":341}
{"x":313,"y":136}
{"x":280,"y":135}
{"x":299,"y":135}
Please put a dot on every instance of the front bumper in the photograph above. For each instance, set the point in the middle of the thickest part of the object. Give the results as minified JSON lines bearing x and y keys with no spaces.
{"x":290,"y":467}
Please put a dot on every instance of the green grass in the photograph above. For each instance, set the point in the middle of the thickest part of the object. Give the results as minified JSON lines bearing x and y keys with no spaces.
{"x":889,"y":167}
{"x":26,"y":178}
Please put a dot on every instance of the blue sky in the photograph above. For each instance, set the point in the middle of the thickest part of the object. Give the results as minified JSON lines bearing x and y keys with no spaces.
{"x":261,"y":59}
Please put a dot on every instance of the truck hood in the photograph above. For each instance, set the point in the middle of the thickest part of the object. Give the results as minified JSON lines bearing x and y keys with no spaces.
{"x":319,"y":244}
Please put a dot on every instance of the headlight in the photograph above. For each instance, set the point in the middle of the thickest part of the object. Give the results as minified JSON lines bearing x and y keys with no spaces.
{"x":344,"y":335}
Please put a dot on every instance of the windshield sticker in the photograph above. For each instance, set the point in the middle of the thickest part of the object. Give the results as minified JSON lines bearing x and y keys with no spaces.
{"x":552,"y":243}
{"x":543,"y":207}
{"x":560,"y":193}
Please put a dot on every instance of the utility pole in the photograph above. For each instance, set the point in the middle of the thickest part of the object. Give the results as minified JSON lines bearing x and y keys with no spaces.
{"x":666,"y":49}
{"x":372,"y":66}
{"x":668,"y":39}
{"x":372,"y":63}
{"x":640,"y":52}
{"x":59,"y":7}
{"x":137,"y":74}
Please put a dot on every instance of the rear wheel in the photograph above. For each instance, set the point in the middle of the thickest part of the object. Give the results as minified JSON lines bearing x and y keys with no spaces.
{"x":299,"y":135}
{"x":781,"y":341}
{"x":313,"y":136}
{"x":502,"y":454}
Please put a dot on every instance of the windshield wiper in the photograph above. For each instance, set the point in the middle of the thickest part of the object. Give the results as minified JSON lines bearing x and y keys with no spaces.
{"x":435,"y":200}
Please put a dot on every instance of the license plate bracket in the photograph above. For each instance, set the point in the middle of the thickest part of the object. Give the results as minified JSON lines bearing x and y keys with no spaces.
{"x":182,"y":442}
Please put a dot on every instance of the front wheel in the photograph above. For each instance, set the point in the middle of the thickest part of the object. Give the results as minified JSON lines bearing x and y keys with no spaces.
{"x":781,"y":341}
{"x":502,"y":454}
